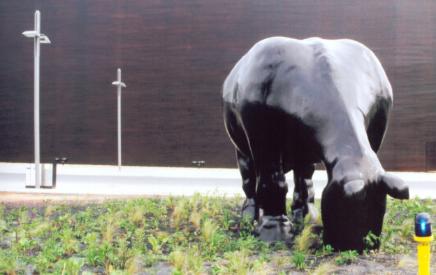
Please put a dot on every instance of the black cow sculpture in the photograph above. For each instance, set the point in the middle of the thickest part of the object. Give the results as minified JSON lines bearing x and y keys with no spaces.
{"x":289,"y":104}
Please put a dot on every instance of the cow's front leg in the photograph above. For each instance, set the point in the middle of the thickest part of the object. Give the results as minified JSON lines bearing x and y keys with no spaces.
{"x":304,"y":195}
{"x":274,"y":224}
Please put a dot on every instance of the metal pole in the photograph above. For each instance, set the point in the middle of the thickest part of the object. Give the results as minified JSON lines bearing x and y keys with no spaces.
{"x":36,"y":99}
{"x":38,"y":38}
{"x":119,"y":118}
{"x":119,"y":85}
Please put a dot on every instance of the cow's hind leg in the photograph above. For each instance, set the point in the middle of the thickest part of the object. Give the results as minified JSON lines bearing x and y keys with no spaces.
{"x":245,"y":162}
{"x":304,"y":195}
{"x":250,"y":210}
{"x":264,"y":130}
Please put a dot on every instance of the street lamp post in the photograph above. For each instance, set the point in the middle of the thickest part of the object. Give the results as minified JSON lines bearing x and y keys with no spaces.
{"x":38,"y":38}
{"x":119,"y":85}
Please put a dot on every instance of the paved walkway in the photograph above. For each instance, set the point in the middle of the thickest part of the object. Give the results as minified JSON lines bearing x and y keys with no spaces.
{"x":110,"y":181}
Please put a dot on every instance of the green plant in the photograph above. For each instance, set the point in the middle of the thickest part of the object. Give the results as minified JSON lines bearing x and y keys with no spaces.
{"x":155,"y":244}
{"x":71,"y":266}
{"x":299,"y":260}
{"x":371,"y":240}
{"x":239,"y":262}
{"x":398,"y":224}
{"x":94,"y":252}
{"x":208,"y":230}
{"x":138,"y":240}
{"x":327,"y":250}
{"x":109,"y":230}
{"x":69,"y":242}
{"x":3,"y":225}
{"x":118,"y":272}
{"x":246,"y":227}
{"x":228,"y":218}
{"x":323,"y":269}
{"x":236,"y":262}
{"x":26,"y":244}
{"x":40,"y":229}
{"x":177,"y":259}
{"x":52,"y":250}
{"x":8,"y":262}
{"x":134,"y":264}
{"x":133,"y":236}
{"x":2,"y":211}
{"x":180,"y":213}
{"x":195,"y":220}
{"x":307,"y":240}
{"x":214,"y":240}
{"x":120,"y":254}
{"x":347,"y":257}
{"x":247,"y":242}
{"x":279,"y":261}
{"x":186,"y":261}
{"x":41,"y":263}
{"x":138,"y":215}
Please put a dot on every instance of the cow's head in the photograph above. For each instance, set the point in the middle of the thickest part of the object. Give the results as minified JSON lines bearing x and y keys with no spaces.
{"x":351,"y":208}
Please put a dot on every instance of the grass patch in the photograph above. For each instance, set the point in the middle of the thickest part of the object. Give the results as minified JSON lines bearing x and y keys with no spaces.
{"x":195,"y":235}
{"x":347,"y":257}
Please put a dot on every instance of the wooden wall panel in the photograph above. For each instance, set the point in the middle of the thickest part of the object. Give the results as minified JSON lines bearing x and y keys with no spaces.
{"x":175,"y":56}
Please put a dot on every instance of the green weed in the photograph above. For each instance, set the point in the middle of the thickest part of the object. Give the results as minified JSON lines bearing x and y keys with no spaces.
{"x":323,"y":269}
{"x":307,"y":240}
{"x":347,"y":257}
{"x":71,"y":266}
{"x":8,"y":262}
{"x":299,"y":260}
{"x":187,"y":261}
{"x":199,"y":234}
{"x":239,"y":262}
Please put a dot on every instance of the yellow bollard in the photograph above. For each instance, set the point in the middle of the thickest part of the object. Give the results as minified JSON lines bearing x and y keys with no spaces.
{"x":423,"y":237}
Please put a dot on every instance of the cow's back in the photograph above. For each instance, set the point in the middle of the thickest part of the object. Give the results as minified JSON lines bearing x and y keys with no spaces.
{"x":356,"y":73}
{"x":327,"y":98}
{"x":293,"y":75}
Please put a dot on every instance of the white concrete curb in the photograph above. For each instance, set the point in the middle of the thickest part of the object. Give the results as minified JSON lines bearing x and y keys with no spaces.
{"x":135,"y":180}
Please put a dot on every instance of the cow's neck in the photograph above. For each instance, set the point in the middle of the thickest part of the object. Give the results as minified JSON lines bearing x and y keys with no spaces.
{"x":347,"y":152}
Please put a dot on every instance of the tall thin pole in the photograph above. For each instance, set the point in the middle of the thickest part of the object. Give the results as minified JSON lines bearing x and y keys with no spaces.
{"x":36,"y":45}
{"x":38,"y":38}
{"x":119,"y":85}
{"x":119,"y":118}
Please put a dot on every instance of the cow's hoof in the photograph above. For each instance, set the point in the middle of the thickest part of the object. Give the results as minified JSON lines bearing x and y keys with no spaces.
{"x":298,"y":217}
{"x":274,"y":228}
{"x":249,"y":210}
{"x":297,"y":220}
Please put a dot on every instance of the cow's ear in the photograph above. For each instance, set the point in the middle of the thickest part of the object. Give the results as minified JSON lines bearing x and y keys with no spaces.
{"x":394,"y":186}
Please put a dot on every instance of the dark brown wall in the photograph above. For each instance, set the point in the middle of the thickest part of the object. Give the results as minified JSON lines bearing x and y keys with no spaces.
{"x":175,"y":56}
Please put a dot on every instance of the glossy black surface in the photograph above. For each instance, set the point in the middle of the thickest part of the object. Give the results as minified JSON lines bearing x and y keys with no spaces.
{"x":289,"y":104}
